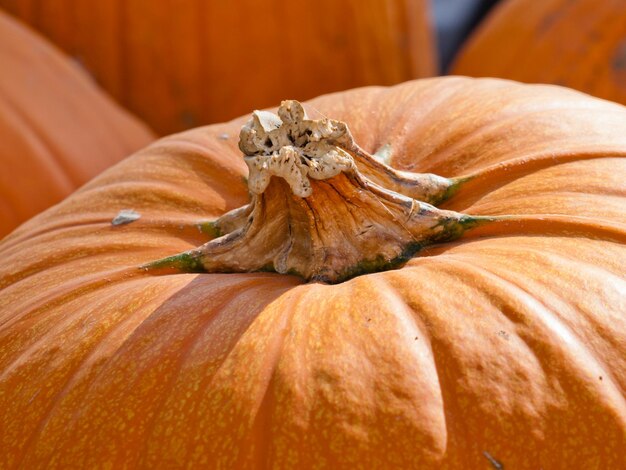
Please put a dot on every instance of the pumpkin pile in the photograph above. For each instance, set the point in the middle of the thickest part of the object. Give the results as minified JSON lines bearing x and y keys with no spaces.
{"x":428,"y":275}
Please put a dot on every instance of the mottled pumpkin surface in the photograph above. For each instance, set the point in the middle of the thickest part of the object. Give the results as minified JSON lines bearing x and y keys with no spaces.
{"x":506,"y":347}
{"x":57,"y":129}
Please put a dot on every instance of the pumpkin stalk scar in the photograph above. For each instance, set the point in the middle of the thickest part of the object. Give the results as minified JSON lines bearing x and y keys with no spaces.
{"x":322,"y":207}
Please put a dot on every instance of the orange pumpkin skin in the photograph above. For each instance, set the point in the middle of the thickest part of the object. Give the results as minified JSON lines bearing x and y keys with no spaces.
{"x":182,"y":64}
{"x":579,"y":44}
{"x":57,"y":130}
{"x":510,"y":347}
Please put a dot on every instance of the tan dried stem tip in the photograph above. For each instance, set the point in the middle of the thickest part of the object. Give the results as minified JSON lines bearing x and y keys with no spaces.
{"x":321,"y":207}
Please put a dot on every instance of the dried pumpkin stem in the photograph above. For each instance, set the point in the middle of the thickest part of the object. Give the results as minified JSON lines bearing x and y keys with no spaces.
{"x":321,"y":207}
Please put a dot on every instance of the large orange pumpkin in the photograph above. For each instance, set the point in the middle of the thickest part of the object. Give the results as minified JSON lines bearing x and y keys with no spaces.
{"x":576,"y":43}
{"x":505,"y":348}
{"x":181,"y":64}
{"x":57,"y":130}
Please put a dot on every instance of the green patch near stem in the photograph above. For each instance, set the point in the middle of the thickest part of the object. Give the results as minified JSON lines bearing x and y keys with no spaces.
{"x":455,"y":185}
{"x":373,"y":265}
{"x":453,"y":229}
{"x":210,"y":228}
{"x":384,"y":154}
{"x":183,"y":262}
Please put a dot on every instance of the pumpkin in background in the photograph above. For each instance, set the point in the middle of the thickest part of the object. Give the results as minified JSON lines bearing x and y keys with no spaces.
{"x":181,"y":64}
{"x":504,"y":348}
{"x":580,"y":44}
{"x":57,"y":130}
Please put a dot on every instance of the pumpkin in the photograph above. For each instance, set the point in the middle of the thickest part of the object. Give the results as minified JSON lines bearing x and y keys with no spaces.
{"x":57,"y":130}
{"x":179,"y":64}
{"x":499,"y":343}
{"x":580,"y":44}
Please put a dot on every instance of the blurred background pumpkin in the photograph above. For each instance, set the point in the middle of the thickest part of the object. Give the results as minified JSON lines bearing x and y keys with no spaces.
{"x":579,"y":44}
{"x":57,"y":129}
{"x":180,"y":64}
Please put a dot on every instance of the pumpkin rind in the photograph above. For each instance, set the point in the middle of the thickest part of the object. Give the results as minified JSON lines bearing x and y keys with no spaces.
{"x":511,"y":346}
{"x":57,"y":130}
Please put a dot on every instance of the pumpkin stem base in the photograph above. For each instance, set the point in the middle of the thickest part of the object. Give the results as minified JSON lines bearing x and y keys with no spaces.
{"x":322,"y":208}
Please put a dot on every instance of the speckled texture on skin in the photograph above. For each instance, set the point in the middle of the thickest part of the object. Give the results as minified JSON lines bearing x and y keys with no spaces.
{"x":513,"y":344}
